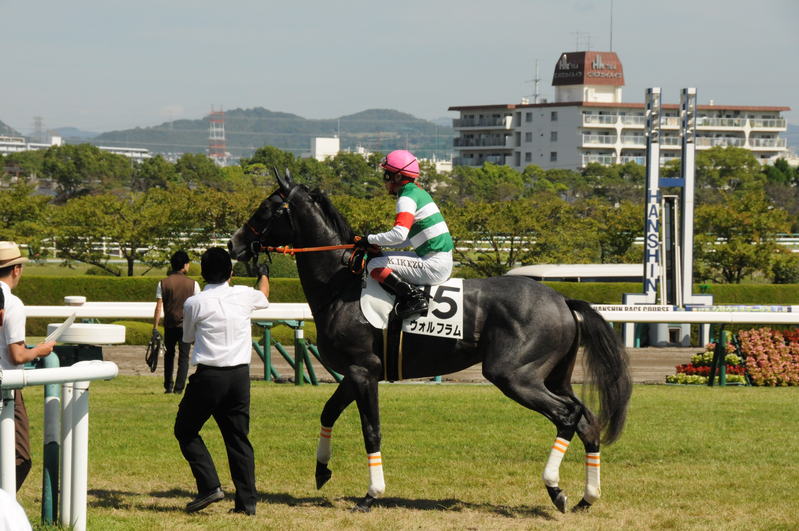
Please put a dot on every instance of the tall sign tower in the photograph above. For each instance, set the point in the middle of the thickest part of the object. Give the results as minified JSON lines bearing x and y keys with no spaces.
{"x":217,"y":145}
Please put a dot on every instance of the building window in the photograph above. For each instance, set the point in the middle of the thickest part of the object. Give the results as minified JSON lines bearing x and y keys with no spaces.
{"x":553,"y":156}
{"x":528,"y":157}
{"x":553,"y":116}
{"x":528,"y":117}
{"x":553,"y":136}
{"x":528,"y":137}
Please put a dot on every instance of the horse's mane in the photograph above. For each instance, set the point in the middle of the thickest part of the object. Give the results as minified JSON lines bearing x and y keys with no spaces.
{"x":332,"y":214}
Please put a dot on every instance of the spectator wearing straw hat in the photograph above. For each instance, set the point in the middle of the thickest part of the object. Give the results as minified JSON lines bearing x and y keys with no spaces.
{"x":13,"y":352}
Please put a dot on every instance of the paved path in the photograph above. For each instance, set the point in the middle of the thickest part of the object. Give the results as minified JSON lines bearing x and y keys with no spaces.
{"x":648,"y":365}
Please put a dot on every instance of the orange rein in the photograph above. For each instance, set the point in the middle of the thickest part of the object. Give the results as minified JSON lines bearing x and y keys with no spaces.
{"x":292,"y":251}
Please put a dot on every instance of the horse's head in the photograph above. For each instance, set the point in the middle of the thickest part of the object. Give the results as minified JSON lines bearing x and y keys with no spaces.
{"x":270,"y":224}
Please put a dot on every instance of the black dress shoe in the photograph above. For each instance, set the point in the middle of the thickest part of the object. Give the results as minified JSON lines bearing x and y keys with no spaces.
{"x":204,"y":500}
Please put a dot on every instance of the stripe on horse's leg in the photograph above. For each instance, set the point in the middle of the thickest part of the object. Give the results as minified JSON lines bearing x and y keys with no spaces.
{"x":377,"y":485}
{"x":592,"y":490}
{"x":551,"y":474}
{"x":323,"y":452}
{"x":325,"y":448}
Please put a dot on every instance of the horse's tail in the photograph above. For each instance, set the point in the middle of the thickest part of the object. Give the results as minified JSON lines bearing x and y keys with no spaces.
{"x":608,"y":369}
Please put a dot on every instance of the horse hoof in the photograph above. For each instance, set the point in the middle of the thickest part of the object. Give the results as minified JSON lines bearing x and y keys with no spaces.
{"x":582,"y":506}
{"x":558,"y":497}
{"x":323,"y":474}
{"x":365,"y":505}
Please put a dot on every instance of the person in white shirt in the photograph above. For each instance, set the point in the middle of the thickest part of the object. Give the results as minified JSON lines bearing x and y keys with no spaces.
{"x":14,"y":353}
{"x":217,"y":321}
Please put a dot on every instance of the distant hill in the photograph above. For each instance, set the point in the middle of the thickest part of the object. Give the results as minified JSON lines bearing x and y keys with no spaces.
{"x":248,"y":129}
{"x":74,"y":134}
{"x":6,"y":130}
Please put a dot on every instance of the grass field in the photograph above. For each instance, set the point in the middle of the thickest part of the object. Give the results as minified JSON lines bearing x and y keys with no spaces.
{"x":455,"y":457}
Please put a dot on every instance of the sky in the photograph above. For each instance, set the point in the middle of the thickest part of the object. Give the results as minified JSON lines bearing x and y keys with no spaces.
{"x":102,"y":65}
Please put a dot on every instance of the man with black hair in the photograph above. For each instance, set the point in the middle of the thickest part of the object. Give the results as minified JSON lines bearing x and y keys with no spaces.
{"x":170,"y":295}
{"x":217,"y":321}
{"x":13,"y":351}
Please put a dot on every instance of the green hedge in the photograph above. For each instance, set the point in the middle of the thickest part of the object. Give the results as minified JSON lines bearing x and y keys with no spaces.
{"x":49,"y":290}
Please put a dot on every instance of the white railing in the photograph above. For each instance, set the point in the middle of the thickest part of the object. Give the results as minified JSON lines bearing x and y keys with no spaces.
{"x":633,"y":120}
{"x":705,"y":121}
{"x":600,"y":119}
{"x":601,"y":159}
{"x":599,"y":139}
{"x":636,"y":140}
{"x":503,"y":122}
{"x":767,"y":123}
{"x":767,"y":142}
{"x":705,"y":141}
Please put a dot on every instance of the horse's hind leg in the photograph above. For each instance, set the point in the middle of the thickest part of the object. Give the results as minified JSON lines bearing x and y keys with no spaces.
{"x":589,"y":434}
{"x":528,"y":389}
{"x":335,"y":405}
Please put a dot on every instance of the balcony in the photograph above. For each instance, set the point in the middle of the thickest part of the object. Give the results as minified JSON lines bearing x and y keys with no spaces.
{"x":670,"y":122}
{"x":486,"y":123}
{"x":638,"y":141}
{"x":477,"y":162}
{"x":767,"y":143}
{"x":600,"y":159}
{"x":720,"y":123}
{"x":600,"y":119}
{"x":492,"y":141}
{"x":767,"y":123}
{"x":640,"y":160}
{"x":704,"y":141}
{"x":633,"y":120}
{"x":602,"y":140}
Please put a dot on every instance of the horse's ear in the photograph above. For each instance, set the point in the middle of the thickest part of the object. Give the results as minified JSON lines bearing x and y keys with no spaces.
{"x":284,"y":183}
{"x":289,"y":180}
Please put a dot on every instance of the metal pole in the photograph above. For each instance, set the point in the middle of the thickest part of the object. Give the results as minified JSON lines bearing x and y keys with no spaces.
{"x":80,"y":455}
{"x":52,"y":432}
{"x":652,"y":264}
{"x":67,"y":394}
{"x":299,"y":357}
{"x":688,"y":167}
{"x":8,"y":471}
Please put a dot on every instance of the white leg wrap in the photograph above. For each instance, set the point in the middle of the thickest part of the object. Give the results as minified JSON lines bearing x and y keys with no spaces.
{"x":325,"y":448}
{"x":377,"y":485}
{"x":552,"y":469}
{"x":592,"y":490}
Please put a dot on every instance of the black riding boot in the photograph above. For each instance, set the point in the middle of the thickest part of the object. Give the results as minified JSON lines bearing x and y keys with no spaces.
{"x":410,"y":300}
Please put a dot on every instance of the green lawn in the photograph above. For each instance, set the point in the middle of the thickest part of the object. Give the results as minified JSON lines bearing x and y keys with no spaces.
{"x":455,"y":457}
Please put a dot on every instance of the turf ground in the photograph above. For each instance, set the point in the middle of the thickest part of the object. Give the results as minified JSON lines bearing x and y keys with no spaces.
{"x":455,"y":457}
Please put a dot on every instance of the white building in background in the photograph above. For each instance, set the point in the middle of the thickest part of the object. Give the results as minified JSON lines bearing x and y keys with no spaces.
{"x":588,"y":122}
{"x":322,"y":147}
{"x":16,"y":144}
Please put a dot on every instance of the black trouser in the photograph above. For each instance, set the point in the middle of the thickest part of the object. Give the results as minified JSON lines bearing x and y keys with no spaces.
{"x":223,"y":392}
{"x":22,"y":447}
{"x":173,"y":337}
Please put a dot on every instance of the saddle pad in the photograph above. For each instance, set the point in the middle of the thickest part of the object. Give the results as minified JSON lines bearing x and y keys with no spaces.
{"x":443,"y":319}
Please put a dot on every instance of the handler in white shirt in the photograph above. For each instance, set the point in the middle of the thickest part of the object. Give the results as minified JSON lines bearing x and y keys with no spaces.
{"x":217,"y":321}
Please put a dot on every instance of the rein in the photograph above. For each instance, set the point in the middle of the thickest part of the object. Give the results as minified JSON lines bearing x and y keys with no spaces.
{"x":292,"y":250}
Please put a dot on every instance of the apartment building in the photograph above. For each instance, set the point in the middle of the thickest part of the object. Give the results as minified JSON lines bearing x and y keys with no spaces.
{"x":588,"y":122}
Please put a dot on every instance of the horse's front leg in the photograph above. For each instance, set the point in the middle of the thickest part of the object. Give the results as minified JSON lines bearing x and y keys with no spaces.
{"x":365,"y":385}
{"x":335,"y":405}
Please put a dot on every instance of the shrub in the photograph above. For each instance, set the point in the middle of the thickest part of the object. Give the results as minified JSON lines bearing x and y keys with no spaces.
{"x":138,"y":332}
{"x":770,"y":359}
{"x":785,"y":269}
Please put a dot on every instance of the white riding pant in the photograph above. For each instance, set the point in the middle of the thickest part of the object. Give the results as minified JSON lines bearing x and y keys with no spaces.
{"x":432,"y":268}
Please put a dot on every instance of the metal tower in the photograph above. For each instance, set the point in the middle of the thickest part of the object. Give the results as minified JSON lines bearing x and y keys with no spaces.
{"x":217,"y":146}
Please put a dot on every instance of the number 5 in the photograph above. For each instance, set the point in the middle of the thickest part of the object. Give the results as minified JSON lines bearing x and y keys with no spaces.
{"x":441,"y":298}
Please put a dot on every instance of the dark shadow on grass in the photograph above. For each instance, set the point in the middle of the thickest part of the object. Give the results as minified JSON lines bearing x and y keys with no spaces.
{"x":449,"y":504}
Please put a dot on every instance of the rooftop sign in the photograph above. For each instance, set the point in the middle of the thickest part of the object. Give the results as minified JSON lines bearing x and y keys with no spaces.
{"x":588,"y":68}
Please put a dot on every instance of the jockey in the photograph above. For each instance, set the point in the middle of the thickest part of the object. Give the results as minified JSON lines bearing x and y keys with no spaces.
{"x":418,"y":224}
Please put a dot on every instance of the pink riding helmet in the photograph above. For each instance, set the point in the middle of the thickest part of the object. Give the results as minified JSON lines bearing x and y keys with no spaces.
{"x":403,"y":162}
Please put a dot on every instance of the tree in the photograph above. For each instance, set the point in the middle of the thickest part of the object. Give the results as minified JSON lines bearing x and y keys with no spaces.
{"x":23,"y":215}
{"x":146,"y":226}
{"x":737,"y":236}
{"x":351,"y":174}
{"x":196,"y":169}
{"x":616,"y":228}
{"x":155,"y":172}
{"x":84,"y":168}
{"x":726,"y":168}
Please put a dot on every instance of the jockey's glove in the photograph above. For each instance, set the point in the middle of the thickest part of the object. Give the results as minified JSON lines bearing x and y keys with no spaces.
{"x":263,"y":270}
{"x":361,"y":242}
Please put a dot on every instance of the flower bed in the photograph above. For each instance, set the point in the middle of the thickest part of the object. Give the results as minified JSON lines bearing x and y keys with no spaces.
{"x":772,"y":356}
{"x":698,"y":371}
{"x":764,"y":356}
